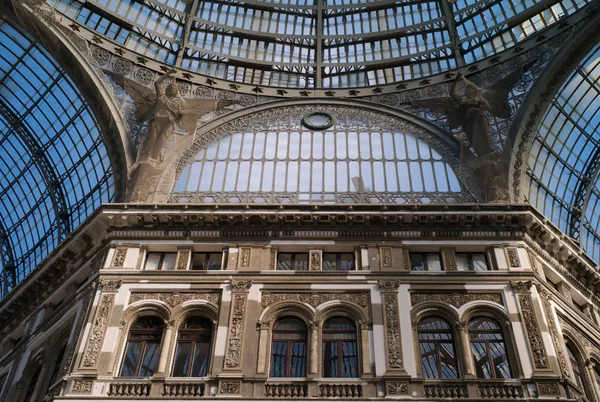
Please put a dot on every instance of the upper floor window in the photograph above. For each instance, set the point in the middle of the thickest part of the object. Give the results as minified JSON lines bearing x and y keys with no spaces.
{"x":471,"y":262}
{"x":289,"y":348}
{"x":425,"y":262}
{"x":193,"y":348}
{"x":338,"y":261}
{"x":488,"y":349}
{"x":596,"y":376}
{"x":207,"y":261}
{"x":57,"y":368}
{"x":161,"y":261}
{"x":575,"y":367}
{"x":340,"y":353}
{"x":143,"y":347}
{"x":292,"y":261}
{"x":436,"y":346}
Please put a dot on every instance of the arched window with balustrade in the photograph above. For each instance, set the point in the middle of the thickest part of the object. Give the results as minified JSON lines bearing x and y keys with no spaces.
{"x":143,"y":347}
{"x":436,"y":348}
{"x":194,"y":341}
{"x":289,"y":349}
{"x":340,"y":351}
{"x":488,"y":348}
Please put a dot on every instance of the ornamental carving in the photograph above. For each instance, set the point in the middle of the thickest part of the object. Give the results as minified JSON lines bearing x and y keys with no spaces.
{"x":513,"y":257}
{"x":392,"y":331}
{"x":111,"y":285}
{"x":143,"y":76}
{"x":241,"y":286}
{"x":119,"y":258}
{"x":175,"y":298}
{"x":386,"y":257}
{"x":449,"y":260}
{"x":521,"y":286}
{"x":138,"y":263}
{"x":455,"y":299}
{"x":98,"y":329}
{"x":548,"y":388}
{"x":534,"y":335}
{"x":556,"y":339}
{"x":397,"y":388}
{"x":245,"y":257}
{"x":315,"y":299}
{"x":233,"y":355}
{"x":122,"y":66}
{"x":230,"y":387}
{"x":272,"y":259}
{"x":315,"y":260}
{"x":183,"y":258}
{"x":100,"y":56}
{"x":81,"y":386}
{"x":389,"y":286}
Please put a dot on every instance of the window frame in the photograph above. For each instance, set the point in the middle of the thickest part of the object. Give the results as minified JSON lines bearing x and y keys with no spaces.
{"x":425,"y":261}
{"x":292,"y":260}
{"x":143,"y":350}
{"x":161,"y":261}
{"x":222,"y":264}
{"x":288,"y":358}
{"x":508,"y":347}
{"x":470,"y":265}
{"x":339,"y":342}
{"x":457,"y":352}
{"x":338,"y":261}
{"x":194,"y":344}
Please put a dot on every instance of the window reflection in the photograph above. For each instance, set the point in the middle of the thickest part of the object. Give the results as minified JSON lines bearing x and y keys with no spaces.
{"x":289,"y":348}
{"x":143,"y":348}
{"x":193,"y":348}
{"x":340,"y":353}
{"x":436,"y":346}
{"x":488,"y":349}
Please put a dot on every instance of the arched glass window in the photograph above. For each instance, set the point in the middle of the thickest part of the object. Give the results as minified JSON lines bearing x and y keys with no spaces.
{"x":193,"y":348}
{"x":597,"y":377}
{"x":56,"y":370}
{"x":143,"y":347}
{"x":436,"y":346}
{"x":340,"y":354}
{"x":33,"y":382}
{"x":289,"y":348}
{"x":489,"y":349}
{"x":575,"y":367}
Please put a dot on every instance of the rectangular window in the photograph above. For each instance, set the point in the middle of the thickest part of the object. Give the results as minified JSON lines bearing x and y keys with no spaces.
{"x":160,"y":261}
{"x":425,"y":262}
{"x":292,"y":261}
{"x":207,"y":261}
{"x":338,"y":262}
{"x":472,"y":262}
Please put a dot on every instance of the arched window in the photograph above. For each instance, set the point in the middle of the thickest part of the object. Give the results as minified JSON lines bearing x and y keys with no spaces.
{"x":436,"y":346}
{"x":33,"y":380}
{"x":340,"y":354}
{"x":575,"y":366}
{"x":596,"y":377}
{"x":143,"y":347}
{"x":289,"y":348}
{"x":193,"y":348}
{"x":489,"y":349}
{"x":57,"y":368}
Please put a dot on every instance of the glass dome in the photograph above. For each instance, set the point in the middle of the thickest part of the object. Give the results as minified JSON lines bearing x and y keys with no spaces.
{"x":317,"y":44}
{"x":54,"y":164}
{"x":564,"y":162}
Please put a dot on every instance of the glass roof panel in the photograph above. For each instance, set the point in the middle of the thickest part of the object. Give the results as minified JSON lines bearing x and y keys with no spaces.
{"x":55,"y":169}
{"x":565,"y":157}
{"x":307,"y":44}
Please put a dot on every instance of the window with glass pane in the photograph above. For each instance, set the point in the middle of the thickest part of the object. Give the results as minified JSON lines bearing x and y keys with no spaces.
{"x":338,"y":262}
{"x":425,"y":262}
{"x":596,"y":376}
{"x":33,"y":382}
{"x":488,"y":349}
{"x":436,"y":346}
{"x":575,"y":366}
{"x":471,"y":262}
{"x":340,"y":353}
{"x":143,"y":347}
{"x":160,"y":261}
{"x":194,"y":341}
{"x":288,"y":352}
{"x":56,"y":370}
{"x":207,"y":261}
{"x":292,"y":261}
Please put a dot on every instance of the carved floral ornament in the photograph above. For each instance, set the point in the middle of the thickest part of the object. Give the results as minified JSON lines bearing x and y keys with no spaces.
{"x":362,"y":299}
{"x":455,"y":299}
{"x":174,"y":299}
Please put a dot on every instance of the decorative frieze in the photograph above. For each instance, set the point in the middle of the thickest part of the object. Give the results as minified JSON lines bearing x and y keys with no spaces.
{"x":556,"y":339}
{"x":315,"y":299}
{"x":244,"y":260}
{"x":532,"y":328}
{"x":272,"y":259}
{"x":82,"y":386}
{"x":183,"y":259}
{"x":397,"y":388}
{"x":449,"y":260}
{"x":521,"y":286}
{"x":92,"y":350}
{"x":314,"y":263}
{"x":138,"y":263}
{"x":174,"y":299}
{"x":119,"y":257}
{"x":241,"y":286}
{"x":392,"y":330}
{"x":455,"y":299}
{"x":388,"y":286}
{"x":386,"y":257}
{"x":109,"y":285}
{"x":230,"y":387}
{"x":513,"y":257}
{"x":233,"y":354}
{"x":545,"y":388}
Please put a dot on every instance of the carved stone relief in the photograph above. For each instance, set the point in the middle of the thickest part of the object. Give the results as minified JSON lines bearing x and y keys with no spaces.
{"x":388,"y":286}
{"x":386,"y":257}
{"x":315,"y":299}
{"x":183,"y":258}
{"x":272,"y":259}
{"x":397,"y":387}
{"x":241,"y":286}
{"x":230,"y":387}
{"x":315,"y":260}
{"x":534,"y":335}
{"x":110,"y":285}
{"x":392,"y":330}
{"x":233,"y":354}
{"x":548,"y":388}
{"x":450,"y":260}
{"x":244,"y":261}
{"x":119,"y":258}
{"x":92,"y":350}
{"x":513,"y":257}
{"x":455,"y":299}
{"x":174,"y":299}
{"x":556,"y":339}
{"x":82,"y":386}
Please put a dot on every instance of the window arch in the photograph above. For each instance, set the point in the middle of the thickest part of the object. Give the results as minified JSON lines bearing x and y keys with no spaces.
{"x":340,"y":352}
{"x":289,"y":348}
{"x":36,"y":371}
{"x":436,"y":348}
{"x":597,"y":376}
{"x":578,"y":369}
{"x":143,"y":347}
{"x":488,"y":349}
{"x":194,"y":340}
